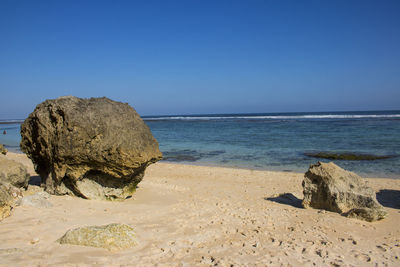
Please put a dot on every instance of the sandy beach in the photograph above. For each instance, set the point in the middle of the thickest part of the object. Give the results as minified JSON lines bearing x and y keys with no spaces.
{"x":187,"y":215}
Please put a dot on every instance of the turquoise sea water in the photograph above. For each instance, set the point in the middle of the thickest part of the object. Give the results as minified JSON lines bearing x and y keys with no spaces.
{"x":272,"y":141}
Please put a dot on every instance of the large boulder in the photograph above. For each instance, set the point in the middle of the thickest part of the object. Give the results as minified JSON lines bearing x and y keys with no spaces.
{"x":111,"y":236}
{"x":93,"y":148}
{"x":329,"y":187}
{"x":13,"y":172}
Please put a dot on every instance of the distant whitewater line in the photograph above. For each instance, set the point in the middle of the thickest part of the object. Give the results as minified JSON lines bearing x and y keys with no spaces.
{"x":264,"y":116}
{"x":11,"y":121}
{"x":274,"y":117}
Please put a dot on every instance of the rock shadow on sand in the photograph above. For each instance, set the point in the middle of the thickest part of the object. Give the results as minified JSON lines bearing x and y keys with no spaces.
{"x":389,"y":198}
{"x":287,"y":199}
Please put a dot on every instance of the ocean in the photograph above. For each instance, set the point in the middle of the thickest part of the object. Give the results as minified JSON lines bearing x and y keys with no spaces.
{"x":270,"y":141}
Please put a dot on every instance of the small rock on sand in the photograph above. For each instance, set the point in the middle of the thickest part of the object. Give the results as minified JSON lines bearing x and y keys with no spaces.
{"x":111,"y":236}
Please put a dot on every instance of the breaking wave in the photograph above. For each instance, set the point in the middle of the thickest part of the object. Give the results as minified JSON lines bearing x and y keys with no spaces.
{"x":274,"y":117}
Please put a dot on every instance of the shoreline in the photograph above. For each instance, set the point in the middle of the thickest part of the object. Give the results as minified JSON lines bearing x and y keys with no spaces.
{"x":194,"y":215}
{"x":204,"y":164}
{"x":274,"y":142}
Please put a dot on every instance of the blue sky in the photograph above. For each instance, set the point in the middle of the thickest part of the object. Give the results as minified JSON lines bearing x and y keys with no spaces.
{"x":191,"y":57}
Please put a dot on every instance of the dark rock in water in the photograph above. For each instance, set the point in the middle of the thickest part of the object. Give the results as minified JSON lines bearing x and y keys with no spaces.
{"x":181,"y":158}
{"x":329,"y":187}
{"x":346,"y":156}
{"x":3,"y":150}
{"x":189,"y":155}
{"x":111,"y":236}
{"x":215,"y":153}
{"x":182,"y":155}
{"x":93,"y":148}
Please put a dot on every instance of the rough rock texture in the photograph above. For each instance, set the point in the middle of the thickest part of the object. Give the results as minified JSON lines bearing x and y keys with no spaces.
{"x":367,"y":214}
{"x":13,"y":172}
{"x":32,"y":189}
{"x":111,"y":236}
{"x":93,"y":148}
{"x":9,"y":195}
{"x":13,"y":176}
{"x":6,"y":201}
{"x":3,"y":150}
{"x":327,"y":186}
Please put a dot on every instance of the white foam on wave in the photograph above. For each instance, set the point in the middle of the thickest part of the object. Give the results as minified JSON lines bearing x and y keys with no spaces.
{"x":277,"y":117}
{"x":11,"y":121}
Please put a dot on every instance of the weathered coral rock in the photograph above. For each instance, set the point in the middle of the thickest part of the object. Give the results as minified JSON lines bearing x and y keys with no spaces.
{"x":9,"y":195}
{"x":6,"y":201}
{"x":32,"y":189}
{"x":3,"y":150}
{"x":93,"y":148}
{"x":13,"y":175}
{"x":13,"y":172}
{"x":367,"y":214}
{"x":111,"y":236}
{"x":329,"y":187}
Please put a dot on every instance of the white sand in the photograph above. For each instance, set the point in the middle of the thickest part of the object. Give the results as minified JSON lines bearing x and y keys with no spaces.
{"x":200,"y":216}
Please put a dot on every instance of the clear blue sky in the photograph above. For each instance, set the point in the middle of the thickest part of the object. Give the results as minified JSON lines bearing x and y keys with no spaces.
{"x":186,"y":57}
